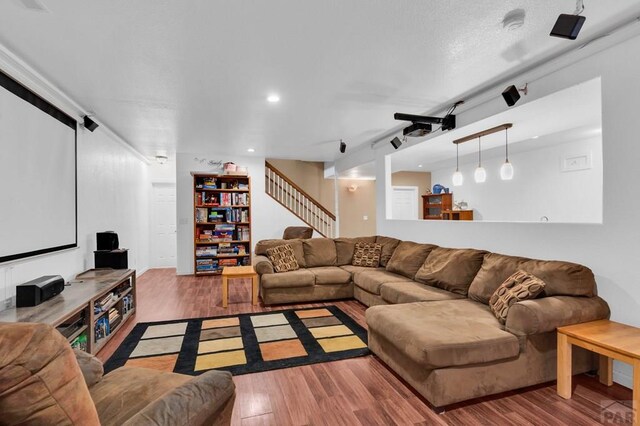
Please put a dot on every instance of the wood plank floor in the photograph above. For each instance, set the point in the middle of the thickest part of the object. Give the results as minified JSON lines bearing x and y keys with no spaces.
{"x":358,"y":391}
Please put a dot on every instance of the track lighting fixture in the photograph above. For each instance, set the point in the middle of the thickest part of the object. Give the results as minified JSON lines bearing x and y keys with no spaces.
{"x":511,"y":94}
{"x":457,"y":178}
{"x":396,"y":142}
{"x":506,"y":171}
{"x":343,"y":146}
{"x":569,"y":26}
{"x":480,"y":175}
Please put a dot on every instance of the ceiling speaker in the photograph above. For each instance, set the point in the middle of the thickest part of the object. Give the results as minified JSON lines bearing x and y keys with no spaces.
{"x":511,"y":95}
{"x":89,"y":124}
{"x":396,"y":142}
{"x":343,"y":147}
{"x":567,"y":26}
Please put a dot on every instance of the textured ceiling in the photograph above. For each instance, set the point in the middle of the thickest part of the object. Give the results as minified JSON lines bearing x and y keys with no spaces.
{"x":193,"y":75}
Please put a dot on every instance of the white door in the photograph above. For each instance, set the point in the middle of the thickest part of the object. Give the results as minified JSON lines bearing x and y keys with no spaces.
{"x":404,"y":203}
{"x":163,"y":226}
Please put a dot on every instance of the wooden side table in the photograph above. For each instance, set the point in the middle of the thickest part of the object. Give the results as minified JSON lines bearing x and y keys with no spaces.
{"x":239,"y":272}
{"x":611,"y":340}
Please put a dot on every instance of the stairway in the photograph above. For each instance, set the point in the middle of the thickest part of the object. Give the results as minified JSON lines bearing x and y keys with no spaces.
{"x":298,"y":202}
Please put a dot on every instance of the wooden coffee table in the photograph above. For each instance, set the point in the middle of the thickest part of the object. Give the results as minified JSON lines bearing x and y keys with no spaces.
{"x":611,"y":340}
{"x":239,"y":272}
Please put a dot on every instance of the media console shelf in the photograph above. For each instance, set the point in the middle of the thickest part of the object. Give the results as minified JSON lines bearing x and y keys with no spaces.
{"x":84,"y":312}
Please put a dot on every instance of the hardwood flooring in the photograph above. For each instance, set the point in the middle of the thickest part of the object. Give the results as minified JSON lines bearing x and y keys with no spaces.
{"x":358,"y":391}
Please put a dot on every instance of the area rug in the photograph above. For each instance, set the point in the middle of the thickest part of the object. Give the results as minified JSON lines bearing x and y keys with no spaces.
{"x":243,"y":343}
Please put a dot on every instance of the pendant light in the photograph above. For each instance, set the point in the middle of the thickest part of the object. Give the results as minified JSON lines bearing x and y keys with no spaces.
{"x":480,"y":175}
{"x":506,"y":171}
{"x":457,"y":179}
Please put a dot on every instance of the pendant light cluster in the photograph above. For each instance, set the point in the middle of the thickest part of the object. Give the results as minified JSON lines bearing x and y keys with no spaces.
{"x":480,"y":174}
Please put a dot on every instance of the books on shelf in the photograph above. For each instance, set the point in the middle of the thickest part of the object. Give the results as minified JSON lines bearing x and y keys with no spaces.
{"x":127,"y":304}
{"x":228,"y":262}
{"x":243,"y":233}
{"x":206,"y":265}
{"x":206,"y":251}
{"x":201,"y":215}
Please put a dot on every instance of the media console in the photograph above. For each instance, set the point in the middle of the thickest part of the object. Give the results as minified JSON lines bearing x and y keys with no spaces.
{"x":89,"y":311}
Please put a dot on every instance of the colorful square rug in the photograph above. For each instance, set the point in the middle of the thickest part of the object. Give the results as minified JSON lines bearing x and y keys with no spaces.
{"x":244,"y":343}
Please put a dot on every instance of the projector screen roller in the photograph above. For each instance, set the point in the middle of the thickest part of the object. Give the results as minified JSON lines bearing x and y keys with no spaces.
{"x":37,"y":174}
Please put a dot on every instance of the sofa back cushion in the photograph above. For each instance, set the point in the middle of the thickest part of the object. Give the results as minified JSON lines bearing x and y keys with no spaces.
{"x":389,"y":245}
{"x":319,"y":252}
{"x":40,"y":380}
{"x":264,"y":245}
{"x":408,"y":257}
{"x":345,"y":247}
{"x":451,"y":269}
{"x":561,"y":278}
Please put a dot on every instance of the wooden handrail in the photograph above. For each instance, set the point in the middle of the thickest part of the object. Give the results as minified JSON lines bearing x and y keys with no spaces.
{"x":300,"y":190}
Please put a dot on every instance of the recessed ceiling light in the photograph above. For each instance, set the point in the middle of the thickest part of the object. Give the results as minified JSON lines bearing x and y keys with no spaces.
{"x":420,"y":165}
{"x":251,"y":150}
{"x":535,"y":137}
{"x":273,"y":99}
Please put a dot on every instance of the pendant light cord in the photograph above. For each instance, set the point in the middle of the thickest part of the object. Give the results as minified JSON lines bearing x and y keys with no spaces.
{"x":457,"y":156}
{"x":479,"y":152}
{"x":506,"y":144}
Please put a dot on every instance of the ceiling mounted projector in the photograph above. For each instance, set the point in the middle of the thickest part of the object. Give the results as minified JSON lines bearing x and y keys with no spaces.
{"x":417,"y":130}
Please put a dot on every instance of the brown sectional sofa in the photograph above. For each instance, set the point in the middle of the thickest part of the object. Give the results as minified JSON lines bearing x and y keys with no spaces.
{"x":429,"y":317}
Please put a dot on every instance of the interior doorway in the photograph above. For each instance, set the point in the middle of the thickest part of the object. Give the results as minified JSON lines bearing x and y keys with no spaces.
{"x":404,"y":203}
{"x":163,"y":226}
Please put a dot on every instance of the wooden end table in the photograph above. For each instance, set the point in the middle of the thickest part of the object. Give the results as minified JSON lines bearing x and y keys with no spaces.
{"x":609,"y":339}
{"x":239,"y":272}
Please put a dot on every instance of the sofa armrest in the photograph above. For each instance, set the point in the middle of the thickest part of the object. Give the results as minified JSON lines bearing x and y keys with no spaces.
{"x":546,"y":314}
{"x":91,"y":367}
{"x":263,"y":265}
{"x":205,"y":399}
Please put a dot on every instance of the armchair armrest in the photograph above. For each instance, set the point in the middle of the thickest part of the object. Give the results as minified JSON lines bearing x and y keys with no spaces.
{"x":546,"y":314}
{"x":205,"y":399}
{"x":263,"y":265}
{"x":91,"y":367}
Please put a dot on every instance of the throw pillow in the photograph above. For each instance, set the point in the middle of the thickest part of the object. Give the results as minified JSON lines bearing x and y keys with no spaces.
{"x":367,"y":254}
{"x":519,"y":286}
{"x":283,"y":258}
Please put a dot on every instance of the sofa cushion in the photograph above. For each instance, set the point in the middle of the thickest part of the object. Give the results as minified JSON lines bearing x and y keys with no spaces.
{"x":561,"y":278}
{"x":408,"y":292}
{"x":451,"y":269}
{"x":443,"y":333}
{"x":319,"y":252}
{"x":408,"y":257}
{"x":345,"y":247}
{"x":297,"y":232}
{"x":389,"y":245}
{"x":282,"y":258}
{"x":367,"y":254}
{"x":40,"y":380}
{"x":292,"y":279}
{"x":263,"y":245}
{"x":519,"y":286}
{"x":371,"y":280}
{"x":330,"y":275}
{"x":355,"y":269}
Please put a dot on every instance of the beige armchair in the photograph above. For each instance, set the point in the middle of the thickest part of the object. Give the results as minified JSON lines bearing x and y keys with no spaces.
{"x":43,"y":381}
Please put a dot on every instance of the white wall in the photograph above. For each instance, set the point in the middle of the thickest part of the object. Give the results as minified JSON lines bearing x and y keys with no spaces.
{"x":611,"y":249}
{"x":539,"y":187}
{"x":269,"y":218}
{"x":113,"y":194}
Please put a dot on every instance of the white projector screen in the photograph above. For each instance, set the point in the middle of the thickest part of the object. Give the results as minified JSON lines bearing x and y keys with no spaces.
{"x":38,"y":212}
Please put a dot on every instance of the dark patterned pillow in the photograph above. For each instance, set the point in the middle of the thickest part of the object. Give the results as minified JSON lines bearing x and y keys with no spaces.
{"x":367,"y":254}
{"x":283,"y":258}
{"x":519,"y":286}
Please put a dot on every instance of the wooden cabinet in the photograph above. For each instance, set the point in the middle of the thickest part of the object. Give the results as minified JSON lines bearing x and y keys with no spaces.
{"x":457,"y":215}
{"x":222,"y":222}
{"x":434,"y":204}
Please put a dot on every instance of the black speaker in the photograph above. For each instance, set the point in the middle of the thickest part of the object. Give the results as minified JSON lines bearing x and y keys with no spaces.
{"x":511,"y":95}
{"x":89,"y":124}
{"x":568,"y":26}
{"x":107,"y":240}
{"x":396,"y":142}
{"x":116,"y":259}
{"x":39,"y":290}
{"x":343,"y":147}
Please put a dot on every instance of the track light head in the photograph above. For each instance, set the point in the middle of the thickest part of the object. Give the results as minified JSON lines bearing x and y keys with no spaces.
{"x":396,"y":142}
{"x":343,"y":146}
{"x":89,"y":124}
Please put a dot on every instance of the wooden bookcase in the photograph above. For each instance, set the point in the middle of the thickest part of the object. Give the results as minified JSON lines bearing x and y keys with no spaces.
{"x":76,"y":311}
{"x":221,"y":222}
{"x":434,"y":204}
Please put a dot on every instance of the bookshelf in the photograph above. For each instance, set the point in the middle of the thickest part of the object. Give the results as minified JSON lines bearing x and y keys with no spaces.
{"x":222,"y":222}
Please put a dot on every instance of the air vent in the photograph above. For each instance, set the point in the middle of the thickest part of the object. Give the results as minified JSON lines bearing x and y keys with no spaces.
{"x":35,"y":6}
